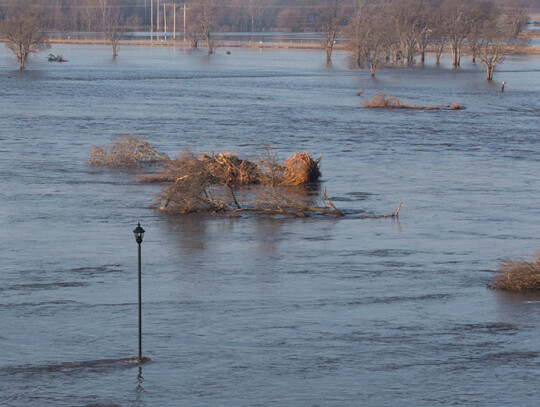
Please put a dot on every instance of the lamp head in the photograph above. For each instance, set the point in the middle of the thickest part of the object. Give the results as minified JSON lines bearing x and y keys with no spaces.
{"x":138,"y":232}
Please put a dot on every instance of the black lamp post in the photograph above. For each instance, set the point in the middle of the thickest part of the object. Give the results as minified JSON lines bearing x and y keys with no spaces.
{"x":139,"y":232}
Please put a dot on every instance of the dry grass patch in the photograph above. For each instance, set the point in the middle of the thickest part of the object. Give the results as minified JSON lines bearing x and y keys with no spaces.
{"x":518,"y":275}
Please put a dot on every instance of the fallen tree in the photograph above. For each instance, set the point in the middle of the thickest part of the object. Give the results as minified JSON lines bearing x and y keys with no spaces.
{"x":518,"y":275}
{"x":225,"y":183}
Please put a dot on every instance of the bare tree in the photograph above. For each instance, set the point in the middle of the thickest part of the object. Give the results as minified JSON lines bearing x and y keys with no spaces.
{"x":22,"y":31}
{"x":424,"y":30}
{"x":369,"y":40}
{"x":331,"y":16}
{"x":455,"y":14}
{"x":203,"y":18}
{"x":478,"y":15}
{"x":405,"y":18}
{"x":110,"y":20}
{"x":254,"y":10}
{"x":516,"y":16}
{"x":492,"y":43}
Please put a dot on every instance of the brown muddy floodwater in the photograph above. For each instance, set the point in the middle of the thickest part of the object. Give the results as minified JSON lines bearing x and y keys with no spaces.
{"x":262,"y":311}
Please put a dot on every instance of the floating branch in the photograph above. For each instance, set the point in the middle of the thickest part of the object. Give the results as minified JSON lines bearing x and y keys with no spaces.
{"x":518,"y":275}
{"x":388,"y":215}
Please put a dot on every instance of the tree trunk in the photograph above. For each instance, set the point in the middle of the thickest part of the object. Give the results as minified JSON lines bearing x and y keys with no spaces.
{"x":410,"y":55}
{"x":21,"y":57}
{"x":490,"y":68}
{"x":372,"y":70}
{"x":328,"y":55}
{"x":455,"y":56}
{"x":208,"y":43}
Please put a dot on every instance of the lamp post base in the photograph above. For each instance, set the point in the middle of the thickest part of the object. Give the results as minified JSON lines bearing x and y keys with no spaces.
{"x":138,"y":360}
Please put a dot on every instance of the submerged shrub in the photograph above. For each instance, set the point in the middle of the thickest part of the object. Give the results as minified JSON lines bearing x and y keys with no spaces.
{"x":518,"y":275}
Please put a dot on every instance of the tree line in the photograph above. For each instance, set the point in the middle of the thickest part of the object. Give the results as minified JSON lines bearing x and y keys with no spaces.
{"x":232,"y":15}
{"x":378,"y":33}
{"x":397,"y":32}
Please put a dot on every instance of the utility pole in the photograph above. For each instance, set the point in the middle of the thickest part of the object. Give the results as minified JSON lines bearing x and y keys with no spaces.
{"x":165,"y":20}
{"x":174,"y":24}
{"x":151,"y":21}
{"x":184,"y":23}
{"x":158,"y":20}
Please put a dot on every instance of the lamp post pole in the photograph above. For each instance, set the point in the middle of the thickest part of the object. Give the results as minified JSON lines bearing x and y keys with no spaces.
{"x":139,"y":232}
{"x":140,"y":308}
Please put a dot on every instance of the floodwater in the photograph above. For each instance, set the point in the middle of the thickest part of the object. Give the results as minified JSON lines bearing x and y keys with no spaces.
{"x":259,"y":311}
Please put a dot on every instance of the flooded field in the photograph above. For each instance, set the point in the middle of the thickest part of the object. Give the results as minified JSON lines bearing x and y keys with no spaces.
{"x":260,"y":311}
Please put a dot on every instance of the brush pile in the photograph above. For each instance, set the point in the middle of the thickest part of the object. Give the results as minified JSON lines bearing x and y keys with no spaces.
{"x":518,"y":275}
{"x":204,"y":183}
{"x":224,"y":182}
{"x":381,"y":101}
{"x":229,"y":169}
{"x":207,"y":183}
{"x":298,"y":169}
{"x":128,"y":152}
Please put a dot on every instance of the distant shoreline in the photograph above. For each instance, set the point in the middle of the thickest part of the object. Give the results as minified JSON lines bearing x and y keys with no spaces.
{"x":529,"y":50}
{"x":298,"y":45}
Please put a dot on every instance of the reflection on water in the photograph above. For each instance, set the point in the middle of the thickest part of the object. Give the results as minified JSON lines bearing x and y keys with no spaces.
{"x":259,"y":310}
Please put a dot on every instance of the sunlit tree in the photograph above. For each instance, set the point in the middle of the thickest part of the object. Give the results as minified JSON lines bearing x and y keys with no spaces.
{"x":22,"y":31}
{"x":331,"y":15}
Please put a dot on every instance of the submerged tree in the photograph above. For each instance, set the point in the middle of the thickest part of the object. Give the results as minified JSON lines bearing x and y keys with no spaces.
{"x":202,"y":23}
{"x":331,"y":16}
{"x":407,"y":19}
{"x":493,"y":42}
{"x":110,"y":22}
{"x":455,"y":19}
{"x":22,"y":31}
{"x":368,"y":38}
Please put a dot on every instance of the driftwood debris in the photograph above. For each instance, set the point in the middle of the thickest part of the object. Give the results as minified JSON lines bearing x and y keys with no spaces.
{"x":56,"y":58}
{"x":225,"y":183}
{"x":388,"y":215}
{"x":381,"y":101}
